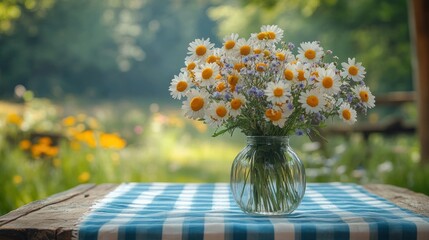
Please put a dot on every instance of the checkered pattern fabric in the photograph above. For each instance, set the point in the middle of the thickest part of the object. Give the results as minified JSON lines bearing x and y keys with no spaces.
{"x":208,"y":211}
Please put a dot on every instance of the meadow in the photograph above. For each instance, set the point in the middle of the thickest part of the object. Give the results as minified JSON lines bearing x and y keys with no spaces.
{"x":46,"y":148}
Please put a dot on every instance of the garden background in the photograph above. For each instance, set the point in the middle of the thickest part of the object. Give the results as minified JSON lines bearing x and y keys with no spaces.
{"x":84,"y":91}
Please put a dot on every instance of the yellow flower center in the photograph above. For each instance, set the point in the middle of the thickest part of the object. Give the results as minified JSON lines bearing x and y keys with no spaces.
{"x":353,"y":70}
{"x":181,"y":86}
{"x":236,"y":103}
{"x":207,"y":73}
{"x":221,"y":111}
{"x":211,"y":59}
{"x":230,"y":44}
{"x":191,"y":66}
{"x":363,"y":96}
{"x":273,"y":115}
{"x":301,"y":75}
{"x":245,"y":50}
{"x":233,"y":79}
{"x":288,"y":74}
{"x":238,"y":66}
{"x":201,"y":50}
{"x":260,"y":67}
{"x":197,"y":103}
{"x":257,"y":51}
{"x":346,"y":114}
{"x":271,"y":35}
{"x":220,"y":87}
{"x":280,"y":56}
{"x":267,"y":53}
{"x":327,"y":82}
{"x":310,"y":54}
{"x":262,"y":35}
{"x":312,"y":101}
{"x":278,"y":92}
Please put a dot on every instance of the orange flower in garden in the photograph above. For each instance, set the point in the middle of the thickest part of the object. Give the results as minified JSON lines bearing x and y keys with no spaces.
{"x":14,"y":118}
{"x":17,"y":179}
{"x":44,"y":147}
{"x":87,"y":137}
{"x":25,"y":144}
{"x":84,"y":177}
{"x":110,"y":140}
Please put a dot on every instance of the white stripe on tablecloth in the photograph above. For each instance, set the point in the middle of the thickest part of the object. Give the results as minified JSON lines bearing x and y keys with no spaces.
{"x":283,"y":229}
{"x":110,"y":229}
{"x":214,"y":226}
{"x":172,"y":227}
{"x":421,"y":225}
{"x":358,"y":227}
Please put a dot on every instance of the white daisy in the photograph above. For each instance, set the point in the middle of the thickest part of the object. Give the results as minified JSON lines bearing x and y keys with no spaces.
{"x":277,"y":92}
{"x":215,"y":56}
{"x":199,"y":49}
{"x":271,"y":33}
{"x":353,"y":70}
{"x":244,"y":47}
{"x":284,"y":55}
{"x":236,"y":104}
{"x":290,"y":73}
{"x":302,"y":71}
{"x":347,"y":114}
{"x":365,"y":96}
{"x":217,"y":113}
{"x":312,"y":101}
{"x":179,"y":85}
{"x":230,"y":44}
{"x":276,"y":117}
{"x":310,"y":52}
{"x":206,"y":74}
{"x":328,"y":81}
{"x":195,"y":104}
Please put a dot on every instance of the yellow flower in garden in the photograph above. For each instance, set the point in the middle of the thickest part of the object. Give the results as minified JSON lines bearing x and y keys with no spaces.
{"x":17,"y":179}
{"x":109,"y":140}
{"x":84,"y":177}
{"x":69,"y":121}
{"x":25,"y":144}
{"x":87,"y":137}
{"x":45,"y":141}
{"x":14,"y":118}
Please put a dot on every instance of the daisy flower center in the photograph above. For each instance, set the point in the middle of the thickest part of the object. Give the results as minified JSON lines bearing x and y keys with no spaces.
{"x":207,"y":73}
{"x":201,"y":50}
{"x":197,"y":103}
{"x":278,"y":92}
{"x":312,"y":101}
{"x":271,"y":35}
{"x":262,"y":35}
{"x":346,"y":114}
{"x":221,"y":111}
{"x":310,"y":54}
{"x":327,"y":82}
{"x":301,"y":75}
{"x":181,"y":86}
{"x":233,"y":79}
{"x":353,"y":70}
{"x":260,"y":67}
{"x":238,"y":66}
{"x":191,"y":66}
{"x":229,"y":44}
{"x":257,"y":51}
{"x":220,"y":87}
{"x":211,"y":59}
{"x":245,"y":50}
{"x":364,"y":96}
{"x":280,"y":56}
{"x":273,"y":115}
{"x":235,"y":103}
{"x":288,"y":74}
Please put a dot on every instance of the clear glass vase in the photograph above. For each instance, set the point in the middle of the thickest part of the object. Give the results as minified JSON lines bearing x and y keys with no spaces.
{"x":267,"y":177}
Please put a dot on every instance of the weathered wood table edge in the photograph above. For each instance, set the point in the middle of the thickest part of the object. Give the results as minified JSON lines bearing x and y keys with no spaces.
{"x":56,"y":217}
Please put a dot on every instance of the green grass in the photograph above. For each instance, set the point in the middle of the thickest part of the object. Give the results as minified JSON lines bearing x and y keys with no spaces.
{"x":162,"y":146}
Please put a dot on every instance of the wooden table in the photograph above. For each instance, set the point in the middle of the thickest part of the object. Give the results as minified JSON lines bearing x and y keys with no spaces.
{"x":56,"y":216}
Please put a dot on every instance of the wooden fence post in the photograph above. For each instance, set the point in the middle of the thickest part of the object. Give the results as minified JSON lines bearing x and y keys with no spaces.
{"x":419,"y":26}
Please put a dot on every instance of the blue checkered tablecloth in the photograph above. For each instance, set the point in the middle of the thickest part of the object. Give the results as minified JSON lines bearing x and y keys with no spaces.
{"x":208,"y":211}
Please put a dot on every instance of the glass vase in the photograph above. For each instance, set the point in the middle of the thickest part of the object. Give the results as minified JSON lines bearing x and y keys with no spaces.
{"x":267,"y":177}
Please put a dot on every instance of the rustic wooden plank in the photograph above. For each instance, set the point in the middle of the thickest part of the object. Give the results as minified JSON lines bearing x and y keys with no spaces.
{"x":57,"y":219}
{"x":416,"y":202}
